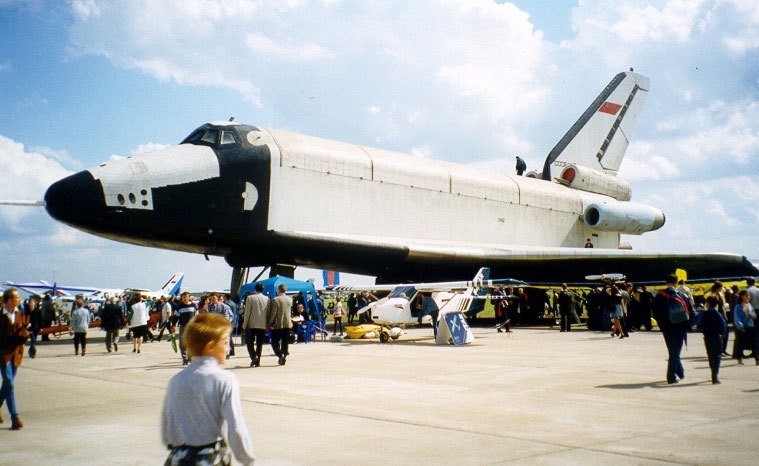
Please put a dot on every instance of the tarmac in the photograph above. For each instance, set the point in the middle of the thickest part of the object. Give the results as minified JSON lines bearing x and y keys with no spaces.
{"x":533,"y":396}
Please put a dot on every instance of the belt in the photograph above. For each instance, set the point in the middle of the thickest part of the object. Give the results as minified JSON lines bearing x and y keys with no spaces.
{"x":217,"y":444}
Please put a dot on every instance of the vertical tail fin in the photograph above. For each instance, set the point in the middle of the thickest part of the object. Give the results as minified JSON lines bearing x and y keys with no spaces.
{"x":478,"y":305}
{"x":599,"y":138}
{"x":174,"y":285}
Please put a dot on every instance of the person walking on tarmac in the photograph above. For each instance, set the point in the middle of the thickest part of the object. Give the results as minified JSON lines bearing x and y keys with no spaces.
{"x":185,"y":312}
{"x":216,"y":306}
{"x":279,"y":320}
{"x":254,"y":311}
{"x":713,"y":326}
{"x":80,"y":323}
{"x":138,"y":316}
{"x":13,"y":335}
{"x":202,"y":420}
{"x":110,"y":322}
{"x":674,"y":332}
{"x":565,"y":308}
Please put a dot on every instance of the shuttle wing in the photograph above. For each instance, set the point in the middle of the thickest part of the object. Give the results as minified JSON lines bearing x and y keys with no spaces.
{"x":528,"y":263}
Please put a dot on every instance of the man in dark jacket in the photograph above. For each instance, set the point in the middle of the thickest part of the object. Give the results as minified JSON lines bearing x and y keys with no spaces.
{"x":521,"y":166}
{"x":429,"y":307}
{"x":110,"y":322}
{"x":279,"y":320}
{"x":48,"y":314}
{"x":713,"y":326}
{"x":674,"y":333}
{"x":565,"y":308}
{"x":33,"y":313}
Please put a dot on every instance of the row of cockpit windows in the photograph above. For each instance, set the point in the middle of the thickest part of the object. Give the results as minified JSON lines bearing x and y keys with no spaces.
{"x":211,"y":137}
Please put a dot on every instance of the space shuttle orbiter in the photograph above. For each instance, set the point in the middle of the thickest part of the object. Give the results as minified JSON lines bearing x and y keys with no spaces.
{"x":260,"y":196}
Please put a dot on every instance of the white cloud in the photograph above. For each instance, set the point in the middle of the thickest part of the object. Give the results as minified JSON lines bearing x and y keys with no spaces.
{"x":647,"y":166}
{"x":84,"y":9}
{"x":637,"y":23}
{"x":260,"y":44}
{"x":742,"y":37}
{"x":67,"y":237}
{"x":485,"y":71}
{"x":149,"y":147}
{"x":707,"y":216}
{"x":27,"y":176}
{"x":715,"y":139}
{"x":675,"y":20}
{"x":423,"y":151}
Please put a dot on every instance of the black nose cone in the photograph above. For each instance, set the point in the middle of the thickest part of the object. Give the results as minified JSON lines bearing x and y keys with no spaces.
{"x":76,"y":200}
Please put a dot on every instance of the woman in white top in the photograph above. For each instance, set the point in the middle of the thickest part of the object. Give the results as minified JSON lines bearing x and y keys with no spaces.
{"x":337,"y":315}
{"x":138,"y":321}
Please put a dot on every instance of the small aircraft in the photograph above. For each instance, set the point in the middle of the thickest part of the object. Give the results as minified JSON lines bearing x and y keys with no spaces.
{"x":169,"y":289}
{"x":238,"y":191}
{"x":64,"y":295}
{"x":401,"y":308}
{"x":63,"y":290}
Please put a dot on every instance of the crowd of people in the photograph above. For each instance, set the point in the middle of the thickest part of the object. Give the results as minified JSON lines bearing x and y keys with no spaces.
{"x":204,"y":330}
{"x":620,"y":308}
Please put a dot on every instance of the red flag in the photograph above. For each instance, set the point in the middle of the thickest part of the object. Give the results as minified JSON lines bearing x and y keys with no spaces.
{"x":610,"y":108}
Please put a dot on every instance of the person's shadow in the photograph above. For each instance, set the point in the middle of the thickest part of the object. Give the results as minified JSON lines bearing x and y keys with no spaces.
{"x":656,"y":384}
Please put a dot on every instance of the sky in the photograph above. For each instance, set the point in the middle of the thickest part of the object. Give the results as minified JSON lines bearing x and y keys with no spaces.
{"x":468,"y":81}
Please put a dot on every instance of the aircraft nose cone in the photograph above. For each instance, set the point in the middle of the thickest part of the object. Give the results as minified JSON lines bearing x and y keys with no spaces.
{"x":76,"y":200}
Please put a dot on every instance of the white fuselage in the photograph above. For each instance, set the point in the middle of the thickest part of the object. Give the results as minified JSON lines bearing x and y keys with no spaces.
{"x":389,"y":194}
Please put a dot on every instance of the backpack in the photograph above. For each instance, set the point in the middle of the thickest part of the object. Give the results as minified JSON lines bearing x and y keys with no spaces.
{"x":677,"y":307}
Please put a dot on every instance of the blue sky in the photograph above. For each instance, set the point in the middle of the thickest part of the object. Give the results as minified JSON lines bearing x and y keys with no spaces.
{"x":469,"y":81}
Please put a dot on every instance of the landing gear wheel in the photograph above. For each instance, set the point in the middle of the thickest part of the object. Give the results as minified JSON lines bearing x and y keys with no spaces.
{"x":384,"y":336}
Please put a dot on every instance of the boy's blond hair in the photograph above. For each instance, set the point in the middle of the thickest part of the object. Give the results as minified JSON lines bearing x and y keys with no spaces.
{"x":203,"y":329}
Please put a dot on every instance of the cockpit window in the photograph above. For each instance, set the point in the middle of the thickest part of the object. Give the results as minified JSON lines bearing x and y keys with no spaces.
{"x":403,"y":292}
{"x":228,"y":137}
{"x":211,"y":137}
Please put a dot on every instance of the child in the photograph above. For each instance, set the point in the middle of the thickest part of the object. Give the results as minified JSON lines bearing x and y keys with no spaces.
{"x":713,"y":327}
{"x":202,"y":398}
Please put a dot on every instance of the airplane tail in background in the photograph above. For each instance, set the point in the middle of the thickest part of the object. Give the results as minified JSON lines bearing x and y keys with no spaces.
{"x":173,"y":286}
{"x":478,"y":305}
{"x":599,"y":138}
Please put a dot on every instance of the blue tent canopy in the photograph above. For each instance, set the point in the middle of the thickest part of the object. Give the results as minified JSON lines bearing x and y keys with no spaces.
{"x":271,"y":285}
